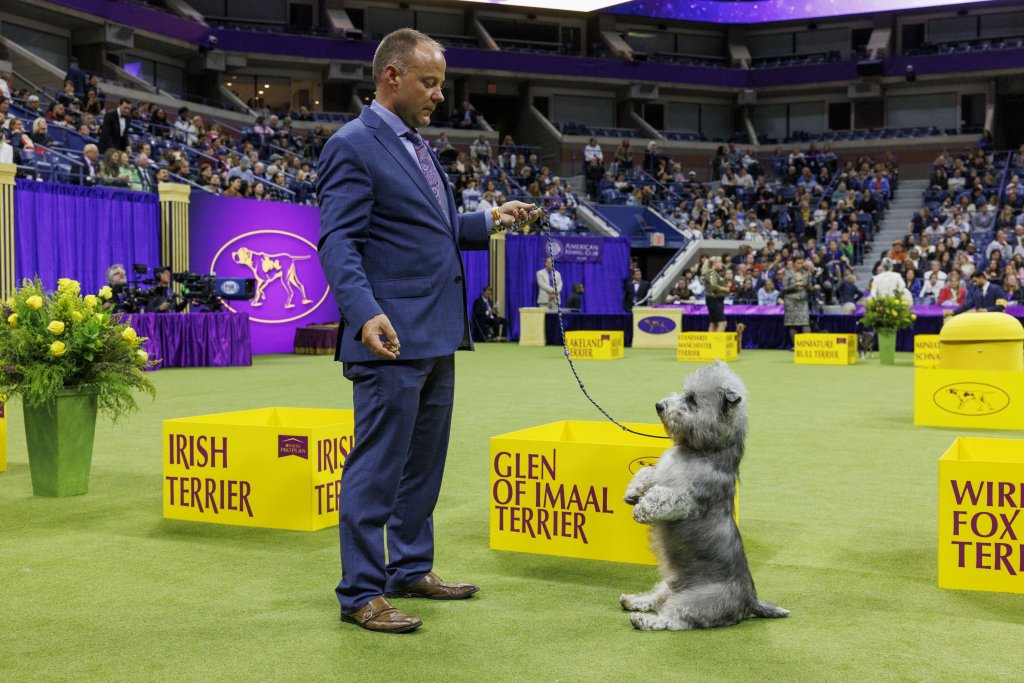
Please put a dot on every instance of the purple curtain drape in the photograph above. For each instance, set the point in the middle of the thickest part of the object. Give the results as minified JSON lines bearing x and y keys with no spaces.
{"x":77,"y":232}
{"x":478,"y":274}
{"x":603,"y":282}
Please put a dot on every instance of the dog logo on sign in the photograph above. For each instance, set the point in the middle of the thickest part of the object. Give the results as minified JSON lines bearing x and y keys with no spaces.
{"x":971,"y":399}
{"x":268,"y":268}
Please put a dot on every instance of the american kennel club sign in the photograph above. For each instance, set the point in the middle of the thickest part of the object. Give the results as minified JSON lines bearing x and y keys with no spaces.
{"x":275,"y":245}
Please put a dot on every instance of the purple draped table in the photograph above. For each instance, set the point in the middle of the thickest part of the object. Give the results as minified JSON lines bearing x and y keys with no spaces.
{"x":195,"y":340}
{"x":318,"y":340}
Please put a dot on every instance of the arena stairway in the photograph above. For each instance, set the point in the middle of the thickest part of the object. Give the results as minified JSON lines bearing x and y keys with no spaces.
{"x":904,"y":203}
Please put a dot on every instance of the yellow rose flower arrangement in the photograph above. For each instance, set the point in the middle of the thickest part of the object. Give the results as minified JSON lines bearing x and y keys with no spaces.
{"x":96,"y":349}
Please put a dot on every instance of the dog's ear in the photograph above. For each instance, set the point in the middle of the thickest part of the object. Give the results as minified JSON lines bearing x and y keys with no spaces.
{"x":730,"y":400}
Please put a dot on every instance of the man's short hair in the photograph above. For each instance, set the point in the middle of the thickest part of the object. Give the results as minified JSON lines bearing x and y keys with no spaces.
{"x":123,"y":100}
{"x":397,"y":47}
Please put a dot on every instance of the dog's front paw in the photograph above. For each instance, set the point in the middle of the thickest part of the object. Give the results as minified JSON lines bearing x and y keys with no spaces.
{"x":636,"y":603}
{"x":646,"y":622}
{"x":643,"y":513}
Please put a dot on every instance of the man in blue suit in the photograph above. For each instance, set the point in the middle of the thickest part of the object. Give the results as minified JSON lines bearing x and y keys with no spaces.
{"x":389,"y":245}
{"x":984,"y":296}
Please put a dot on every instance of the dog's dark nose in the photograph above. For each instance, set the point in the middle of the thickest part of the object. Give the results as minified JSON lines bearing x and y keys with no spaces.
{"x":659,"y":407}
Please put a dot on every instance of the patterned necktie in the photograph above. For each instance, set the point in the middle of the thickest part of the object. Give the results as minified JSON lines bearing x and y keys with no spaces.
{"x":429,"y":171}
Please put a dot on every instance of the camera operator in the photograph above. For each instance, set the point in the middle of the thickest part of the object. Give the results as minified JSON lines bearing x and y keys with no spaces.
{"x":162,"y":297}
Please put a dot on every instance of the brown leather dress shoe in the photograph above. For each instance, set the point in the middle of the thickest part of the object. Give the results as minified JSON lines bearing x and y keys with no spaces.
{"x":431,"y":586}
{"x":380,"y":615}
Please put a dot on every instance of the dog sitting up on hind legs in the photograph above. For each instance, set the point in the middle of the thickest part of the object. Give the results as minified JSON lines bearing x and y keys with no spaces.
{"x":687,"y":498}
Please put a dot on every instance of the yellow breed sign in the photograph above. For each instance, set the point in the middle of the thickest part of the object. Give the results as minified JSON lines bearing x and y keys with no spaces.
{"x":926,"y":350}
{"x":825,"y":349}
{"x":3,"y":436}
{"x":273,"y":467}
{"x":557,"y":490}
{"x":981,"y":528}
{"x":596,"y":345}
{"x":972,"y":399}
{"x":706,"y":346}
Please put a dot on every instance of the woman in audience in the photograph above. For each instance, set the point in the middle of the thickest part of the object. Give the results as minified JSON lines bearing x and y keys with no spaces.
{"x":259,"y":192}
{"x":768,"y":295}
{"x":930,"y":290}
{"x":110,"y":169}
{"x":24,"y":146}
{"x":1014,"y":293}
{"x":912,"y":282}
{"x":954,"y":293}
{"x":39,"y":133}
{"x":797,"y":289}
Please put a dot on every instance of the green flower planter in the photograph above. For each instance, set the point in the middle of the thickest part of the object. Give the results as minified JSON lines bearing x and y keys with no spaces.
{"x":60,"y":436}
{"x":887,"y":347}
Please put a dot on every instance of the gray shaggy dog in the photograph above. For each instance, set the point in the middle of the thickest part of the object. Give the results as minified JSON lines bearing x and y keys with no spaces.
{"x":687,"y":498}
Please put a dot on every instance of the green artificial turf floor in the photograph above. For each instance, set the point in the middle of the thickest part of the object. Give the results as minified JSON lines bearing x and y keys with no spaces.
{"x":838,"y":518}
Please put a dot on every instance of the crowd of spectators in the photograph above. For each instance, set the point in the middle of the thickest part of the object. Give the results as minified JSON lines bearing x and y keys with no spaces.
{"x":971,"y":222}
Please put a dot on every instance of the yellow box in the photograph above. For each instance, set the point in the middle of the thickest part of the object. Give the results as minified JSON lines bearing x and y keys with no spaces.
{"x":594,"y":345}
{"x":926,"y":350}
{"x":656,"y":328}
{"x":825,"y":349}
{"x":557,"y":489}
{"x":705,"y":346}
{"x":981,"y":493}
{"x":531,"y":326}
{"x":272,"y":467}
{"x":970,"y":399}
{"x":982,"y":340}
{"x":3,"y":436}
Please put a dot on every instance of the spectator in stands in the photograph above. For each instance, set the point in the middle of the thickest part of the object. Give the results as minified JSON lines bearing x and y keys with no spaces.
{"x":912,"y":282}
{"x":480,"y":148}
{"x":746,"y":295}
{"x":767,"y":295}
{"x":32,"y":105}
{"x":467,"y":117}
{"x":6,"y":150}
{"x":983,"y":296}
{"x":651,"y":156}
{"x":111,"y":171}
{"x":39,"y":133}
{"x":162,"y":176}
{"x":930,"y":290}
{"x":5,"y":87}
{"x":55,"y":114}
{"x":797,"y":289}
{"x":67,"y":94}
{"x":234,"y":187}
{"x":560,"y":220}
{"x":1014,"y":293}
{"x":184,"y":131}
{"x":76,"y":77}
{"x":24,"y":146}
{"x":143,"y":180}
{"x":680,"y":292}
{"x":623,"y":162}
{"x":470,"y":196}
{"x":1001,"y":246}
{"x":114,"y":131}
{"x":549,"y":285}
{"x":90,"y":163}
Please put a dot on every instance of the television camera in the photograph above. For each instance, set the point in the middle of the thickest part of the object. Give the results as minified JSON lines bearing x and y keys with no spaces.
{"x":208,"y":292}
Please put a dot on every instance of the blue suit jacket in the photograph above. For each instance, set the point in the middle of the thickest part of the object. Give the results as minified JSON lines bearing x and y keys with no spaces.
{"x":386,"y":247}
{"x":987,"y":302}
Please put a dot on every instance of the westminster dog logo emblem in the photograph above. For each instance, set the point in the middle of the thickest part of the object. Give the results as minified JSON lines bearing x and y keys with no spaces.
{"x":269,"y":268}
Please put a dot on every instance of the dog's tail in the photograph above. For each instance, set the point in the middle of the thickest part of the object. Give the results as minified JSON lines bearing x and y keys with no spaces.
{"x":767,"y":610}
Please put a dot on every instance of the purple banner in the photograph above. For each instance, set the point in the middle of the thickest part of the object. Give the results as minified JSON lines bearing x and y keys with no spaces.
{"x":575,"y":248}
{"x":273,"y":243}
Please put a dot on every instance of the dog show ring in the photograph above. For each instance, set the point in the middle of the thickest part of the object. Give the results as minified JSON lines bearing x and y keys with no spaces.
{"x":276,"y":468}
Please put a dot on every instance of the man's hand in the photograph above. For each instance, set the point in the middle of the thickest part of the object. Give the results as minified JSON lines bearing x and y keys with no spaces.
{"x":380,"y":337}
{"x":513,"y":213}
